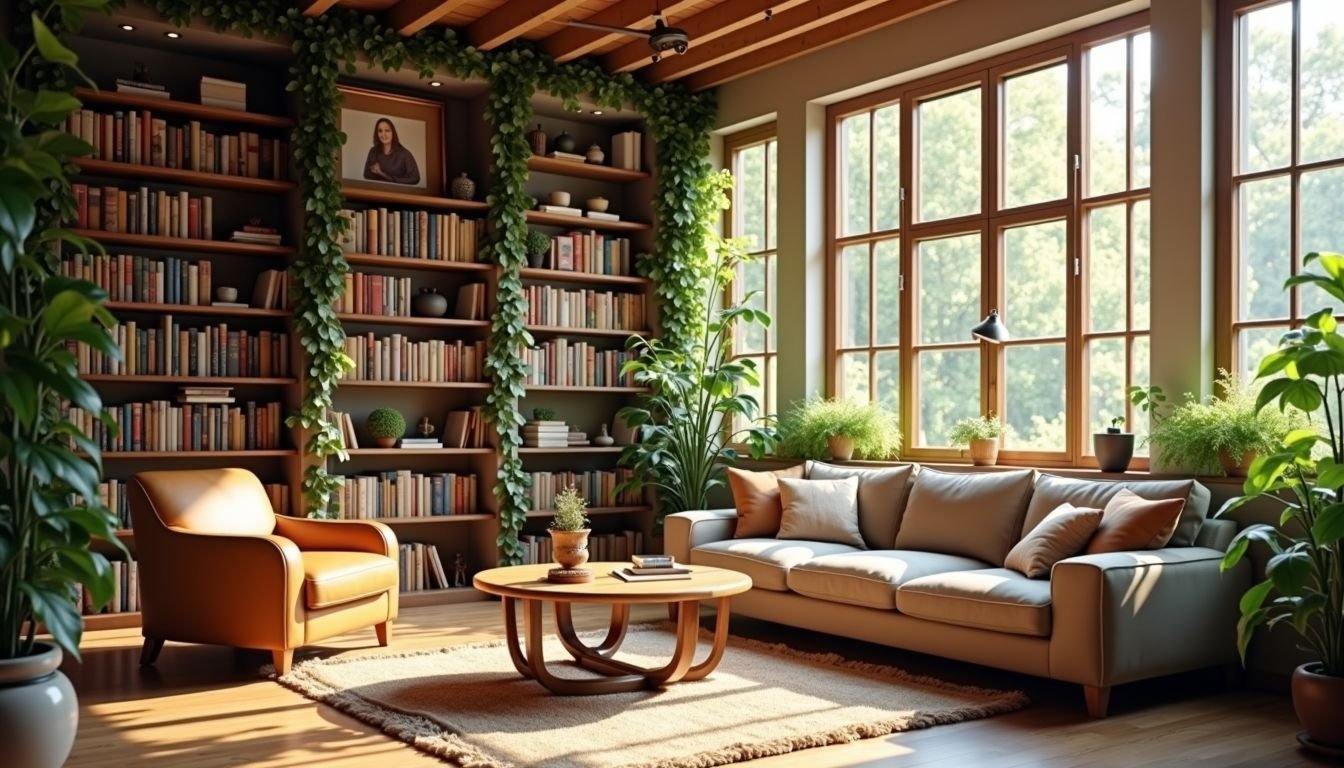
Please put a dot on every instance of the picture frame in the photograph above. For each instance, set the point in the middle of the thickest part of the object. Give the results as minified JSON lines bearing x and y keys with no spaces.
{"x":392,"y":142}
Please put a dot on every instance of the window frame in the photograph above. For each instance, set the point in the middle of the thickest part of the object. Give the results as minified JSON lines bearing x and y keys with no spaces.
{"x":733,"y":144}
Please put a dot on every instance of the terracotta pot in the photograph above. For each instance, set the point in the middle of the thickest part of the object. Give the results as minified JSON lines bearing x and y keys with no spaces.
{"x":385,"y":442}
{"x":38,"y":710}
{"x":841,"y":447}
{"x":1113,"y":450}
{"x":571,"y":547}
{"x":1236,"y":466}
{"x":985,"y":452}
{"x":1318,"y":699}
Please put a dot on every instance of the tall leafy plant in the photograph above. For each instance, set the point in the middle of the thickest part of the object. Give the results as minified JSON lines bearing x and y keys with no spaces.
{"x":49,"y":469}
{"x":697,"y":387}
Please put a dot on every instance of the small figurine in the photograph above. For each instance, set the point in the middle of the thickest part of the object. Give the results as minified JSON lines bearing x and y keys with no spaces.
{"x":140,"y":72}
{"x":459,"y":571}
{"x":425,"y":429}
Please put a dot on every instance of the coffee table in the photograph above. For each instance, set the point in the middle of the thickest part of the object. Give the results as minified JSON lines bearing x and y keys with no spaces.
{"x":528,"y":584}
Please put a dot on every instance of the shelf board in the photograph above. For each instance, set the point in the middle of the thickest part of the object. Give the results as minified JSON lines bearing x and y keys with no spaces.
{"x":419,"y":451}
{"x":186,"y":109}
{"x":186,"y":244}
{"x":579,"y":222}
{"x":594,"y":511}
{"x":576,"y":449}
{"x":429,"y":519}
{"x":393,"y":197}
{"x":203,"y":380}
{"x":437,"y":322}
{"x":417,"y":384}
{"x":120,"y":620}
{"x":568,"y":388}
{"x":256,"y":454}
{"x":569,"y":276}
{"x":400,"y":262}
{"x":544,"y":164}
{"x":440,"y":596}
{"x":194,"y":309}
{"x":566,"y":331}
{"x":92,"y":167}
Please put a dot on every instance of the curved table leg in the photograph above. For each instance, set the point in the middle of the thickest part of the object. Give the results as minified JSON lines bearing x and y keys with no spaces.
{"x":511,"y":631}
{"x":688,"y":629}
{"x":564,"y":622}
{"x":565,"y":687}
{"x":716,"y":650}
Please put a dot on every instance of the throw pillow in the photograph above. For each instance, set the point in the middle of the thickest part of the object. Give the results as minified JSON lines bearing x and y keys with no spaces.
{"x":882,"y":495}
{"x":1130,"y":522}
{"x":821,"y":510}
{"x":756,"y":496}
{"x":972,"y":514}
{"x":1052,"y":490}
{"x":1063,"y":533}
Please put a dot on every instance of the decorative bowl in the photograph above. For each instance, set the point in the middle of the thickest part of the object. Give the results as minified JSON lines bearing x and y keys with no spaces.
{"x":598,"y":204}
{"x":559,"y":197}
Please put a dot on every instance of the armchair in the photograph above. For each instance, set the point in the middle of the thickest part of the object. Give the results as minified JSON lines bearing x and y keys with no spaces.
{"x":218,"y":566}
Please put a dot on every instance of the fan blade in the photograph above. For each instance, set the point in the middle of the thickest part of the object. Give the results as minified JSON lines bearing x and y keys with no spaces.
{"x":608,"y":28}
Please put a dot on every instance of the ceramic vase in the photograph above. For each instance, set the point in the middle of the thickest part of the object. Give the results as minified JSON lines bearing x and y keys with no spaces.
{"x":596,"y":155}
{"x":463,"y":188}
{"x":429,"y":303}
{"x":571,"y":547}
{"x":38,"y":710}
{"x":604,"y":439}
{"x":537,"y":139}
{"x":1113,"y":450}
{"x":565,"y":143}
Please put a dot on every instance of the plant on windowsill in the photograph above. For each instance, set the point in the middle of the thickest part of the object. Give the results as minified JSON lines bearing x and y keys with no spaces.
{"x":1304,"y":588}
{"x":1114,"y":448}
{"x":982,"y":435}
{"x":840,"y":429}
{"x":386,"y":426}
{"x":569,"y":529}
{"x":1221,"y":434}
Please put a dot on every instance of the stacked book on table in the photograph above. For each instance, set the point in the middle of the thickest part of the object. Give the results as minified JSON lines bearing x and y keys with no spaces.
{"x":652,"y":568}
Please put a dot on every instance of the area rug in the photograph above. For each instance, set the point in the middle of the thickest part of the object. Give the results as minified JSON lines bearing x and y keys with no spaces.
{"x":469,"y":706}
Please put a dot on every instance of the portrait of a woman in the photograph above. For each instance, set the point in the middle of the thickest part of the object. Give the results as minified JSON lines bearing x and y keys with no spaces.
{"x":389,"y":161}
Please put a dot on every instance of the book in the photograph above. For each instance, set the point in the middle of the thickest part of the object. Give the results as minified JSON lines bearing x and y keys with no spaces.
{"x":568,"y":156}
{"x":228,"y":304}
{"x":470,"y":302}
{"x":655,"y":571}
{"x":560,"y":209}
{"x":625,"y":574}
{"x":652,"y":561}
{"x":602,"y":216}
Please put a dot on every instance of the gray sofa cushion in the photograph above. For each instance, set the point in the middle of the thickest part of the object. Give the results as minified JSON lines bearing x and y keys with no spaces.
{"x":870,"y":578}
{"x":883,"y":492}
{"x":1052,"y":490}
{"x":972,"y":514}
{"x":766,"y":561}
{"x":997,"y":599}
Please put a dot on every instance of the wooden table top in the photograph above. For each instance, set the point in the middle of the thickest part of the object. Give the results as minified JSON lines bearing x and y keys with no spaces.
{"x":529,"y":582}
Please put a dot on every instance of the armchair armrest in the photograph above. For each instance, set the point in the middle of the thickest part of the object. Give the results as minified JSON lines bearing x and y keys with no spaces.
{"x":1124,"y":616}
{"x":338,"y":535}
{"x":685,"y":531}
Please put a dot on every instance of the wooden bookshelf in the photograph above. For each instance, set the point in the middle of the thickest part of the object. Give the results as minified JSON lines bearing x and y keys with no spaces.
{"x":590,"y":278}
{"x":401,"y":262}
{"x":393,"y":197}
{"x":90,"y":167}
{"x":437,"y":322}
{"x":580,"y":170}
{"x":187,"y":244}
{"x":440,"y":597}
{"x":590,"y":449}
{"x":194,"y":310}
{"x":419,"y":451}
{"x":429,"y":384}
{"x":568,"y":388}
{"x":185,"y":109}
{"x":563,"y":330}
{"x":120,"y":620}
{"x":260,"y":453}
{"x":220,"y":381}
{"x":594,"y":511}
{"x":431,"y":519}
{"x":580,"y":222}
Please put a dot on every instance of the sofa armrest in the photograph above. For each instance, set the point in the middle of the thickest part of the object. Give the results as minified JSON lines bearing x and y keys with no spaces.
{"x":1124,"y":616}
{"x":685,"y":531}
{"x":338,"y":535}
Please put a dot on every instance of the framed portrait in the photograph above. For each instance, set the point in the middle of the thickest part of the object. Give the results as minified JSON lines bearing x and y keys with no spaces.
{"x":391,"y":141}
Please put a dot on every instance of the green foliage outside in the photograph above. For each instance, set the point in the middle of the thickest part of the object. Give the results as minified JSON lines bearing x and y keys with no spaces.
{"x":806,"y":427}
{"x":1191,"y":437}
{"x":383,"y":423}
{"x":976,"y":428}
{"x":571,"y":511}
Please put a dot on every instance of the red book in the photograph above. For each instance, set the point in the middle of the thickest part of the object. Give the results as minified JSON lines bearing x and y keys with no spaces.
{"x":194,"y":218}
{"x":81,"y":205}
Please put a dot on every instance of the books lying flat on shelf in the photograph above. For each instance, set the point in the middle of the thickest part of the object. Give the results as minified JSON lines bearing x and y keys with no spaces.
{"x":233,"y":304}
{"x":241,"y":236}
{"x":602,"y":216}
{"x":568,"y":156}
{"x":545,"y":434}
{"x":576,"y":439}
{"x":420,"y":442}
{"x":628,"y":574}
{"x":152,"y":90}
{"x":652,"y":561}
{"x":564,"y":210}
{"x":223,"y":93}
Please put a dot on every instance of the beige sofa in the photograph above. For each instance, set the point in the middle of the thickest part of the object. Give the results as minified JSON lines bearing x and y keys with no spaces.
{"x":1098,"y":620}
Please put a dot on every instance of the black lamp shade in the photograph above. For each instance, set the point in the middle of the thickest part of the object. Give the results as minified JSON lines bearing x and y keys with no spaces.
{"x":991,"y":329}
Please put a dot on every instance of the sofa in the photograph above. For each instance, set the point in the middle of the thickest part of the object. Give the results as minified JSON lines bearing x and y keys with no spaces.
{"x":930,"y":577}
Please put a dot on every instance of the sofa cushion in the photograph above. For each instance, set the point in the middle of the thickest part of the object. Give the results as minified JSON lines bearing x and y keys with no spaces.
{"x":1063,"y":533}
{"x":883,"y":492}
{"x":1052,"y":490}
{"x":997,"y":599}
{"x":766,"y":561}
{"x":973,"y":514}
{"x":820,"y":510}
{"x":756,"y":496}
{"x":870,"y":578}
{"x":1130,"y":522}
{"x":332,"y":578}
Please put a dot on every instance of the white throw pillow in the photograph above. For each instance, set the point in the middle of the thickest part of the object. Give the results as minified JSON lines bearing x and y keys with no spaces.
{"x":821,"y":510}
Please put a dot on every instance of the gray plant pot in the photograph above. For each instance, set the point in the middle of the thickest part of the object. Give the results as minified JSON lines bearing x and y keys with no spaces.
{"x":1114,"y":450}
{"x":38,"y":710}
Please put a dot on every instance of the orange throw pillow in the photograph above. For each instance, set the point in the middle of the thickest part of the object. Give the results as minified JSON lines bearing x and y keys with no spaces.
{"x":1130,"y":522}
{"x":756,"y":496}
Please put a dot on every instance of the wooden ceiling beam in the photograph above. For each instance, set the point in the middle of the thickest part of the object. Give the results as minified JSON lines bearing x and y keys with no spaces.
{"x":723,"y":19}
{"x":514,"y":19}
{"x":317,"y":7}
{"x":574,"y":42}
{"x":411,"y":16}
{"x":794,"y":47}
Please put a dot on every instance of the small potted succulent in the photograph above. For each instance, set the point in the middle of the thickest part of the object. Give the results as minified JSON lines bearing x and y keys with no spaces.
{"x":569,"y":529}
{"x":538,"y":245}
{"x":981,"y":434}
{"x":385,"y":426}
{"x":1114,"y":448}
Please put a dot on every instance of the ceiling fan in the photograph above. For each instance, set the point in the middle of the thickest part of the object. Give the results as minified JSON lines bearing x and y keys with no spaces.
{"x":662,"y":38}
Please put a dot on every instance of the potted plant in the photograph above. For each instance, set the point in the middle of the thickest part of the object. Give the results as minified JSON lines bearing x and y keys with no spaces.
{"x":543,"y":414}
{"x":982,"y":435}
{"x":386,"y":426}
{"x":1114,"y":448}
{"x":538,"y":246}
{"x":569,"y":529}
{"x":1304,"y":586}
{"x":1221,"y":434}
{"x":841,"y":429}
{"x":49,"y":469}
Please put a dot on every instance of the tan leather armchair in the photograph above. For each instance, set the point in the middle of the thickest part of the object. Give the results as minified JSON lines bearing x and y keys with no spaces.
{"x":218,"y":566}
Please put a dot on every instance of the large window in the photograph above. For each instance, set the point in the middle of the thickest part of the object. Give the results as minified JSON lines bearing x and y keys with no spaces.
{"x":997,"y":186}
{"x":752,"y":157}
{"x":1284,"y":170}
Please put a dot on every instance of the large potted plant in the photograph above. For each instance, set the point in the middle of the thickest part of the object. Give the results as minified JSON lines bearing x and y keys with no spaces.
{"x":981,"y":435}
{"x":819,"y":427}
{"x":1304,"y":584}
{"x":49,"y":469}
{"x":1221,"y":434}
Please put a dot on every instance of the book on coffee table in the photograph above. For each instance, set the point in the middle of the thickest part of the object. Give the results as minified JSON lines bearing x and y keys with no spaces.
{"x":630,"y":574}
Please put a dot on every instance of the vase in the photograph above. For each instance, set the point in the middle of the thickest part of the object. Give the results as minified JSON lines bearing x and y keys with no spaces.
{"x":604,"y":440}
{"x":38,"y":710}
{"x":596,"y":155}
{"x":1235,"y":466}
{"x":571,"y":547}
{"x":598,"y":204}
{"x":429,"y":303}
{"x":985,"y":451}
{"x":1113,"y":450}
{"x":559,"y":197}
{"x":565,"y":143}
{"x":537,"y":139}
{"x":1318,"y":699}
{"x":841,"y":447}
{"x":463,"y":188}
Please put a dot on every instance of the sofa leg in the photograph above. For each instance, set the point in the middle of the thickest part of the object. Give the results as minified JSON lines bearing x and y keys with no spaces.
{"x":283,"y":660}
{"x":149,"y":652}
{"x":1098,"y":699}
{"x":384,"y":631}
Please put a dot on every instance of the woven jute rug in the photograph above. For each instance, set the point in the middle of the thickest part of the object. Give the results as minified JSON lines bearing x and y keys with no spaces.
{"x":469,"y":706}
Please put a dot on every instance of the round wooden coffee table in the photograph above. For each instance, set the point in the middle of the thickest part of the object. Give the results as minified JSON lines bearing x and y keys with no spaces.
{"x":528,"y":584}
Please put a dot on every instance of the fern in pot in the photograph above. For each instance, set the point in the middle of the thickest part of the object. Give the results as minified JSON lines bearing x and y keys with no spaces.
{"x":981,"y":435}
{"x":1221,"y":434}
{"x":840,"y":429}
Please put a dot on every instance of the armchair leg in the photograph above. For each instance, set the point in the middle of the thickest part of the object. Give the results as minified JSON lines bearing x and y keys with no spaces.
{"x":283,"y":660}
{"x":149,"y":652}
{"x":1098,"y":699}
{"x":384,"y":631}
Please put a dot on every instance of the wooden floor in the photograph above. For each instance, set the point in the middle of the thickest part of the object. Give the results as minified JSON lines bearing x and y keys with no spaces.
{"x":207,"y":706}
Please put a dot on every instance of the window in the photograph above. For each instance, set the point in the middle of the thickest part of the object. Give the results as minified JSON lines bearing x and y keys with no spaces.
{"x":753,"y":158}
{"x":1284,"y":170}
{"x":989,"y":188}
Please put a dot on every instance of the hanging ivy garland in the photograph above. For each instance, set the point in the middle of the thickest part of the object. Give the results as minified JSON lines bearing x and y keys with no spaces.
{"x":323,"y":46}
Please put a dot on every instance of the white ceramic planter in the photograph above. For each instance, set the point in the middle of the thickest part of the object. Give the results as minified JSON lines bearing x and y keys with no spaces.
{"x":38,"y":710}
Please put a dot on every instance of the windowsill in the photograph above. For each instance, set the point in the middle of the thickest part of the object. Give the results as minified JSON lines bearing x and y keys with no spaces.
{"x":771,"y":462}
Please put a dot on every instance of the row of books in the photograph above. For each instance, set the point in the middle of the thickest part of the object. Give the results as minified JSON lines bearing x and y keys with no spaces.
{"x":402,"y":493}
{"x":584,"y":308}
{"x":171,"y":350}
{"x":386,"y":295}
{"x":422,"y":569}
{"x":602,"y":547}
{"x":125,"y":590}
{"x":169,"y":280}
{"x":159,"y":425}
{"x":412,"y":234}
{"x":627,"y":150}
{"x":563,"y":362}
{"x":140,"y":138}
{"x":461,"y":429}
{"x":144,"y":211}
{"x":598,"y":488}
{"x":397,"y":358}
{"x":114,"y":496}
{"x":590,"y":252}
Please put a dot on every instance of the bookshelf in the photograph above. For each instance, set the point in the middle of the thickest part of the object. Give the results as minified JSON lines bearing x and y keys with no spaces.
{"x":187,"y":244}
